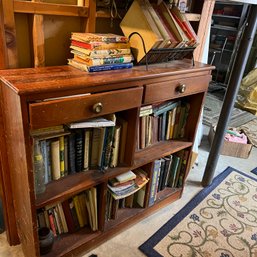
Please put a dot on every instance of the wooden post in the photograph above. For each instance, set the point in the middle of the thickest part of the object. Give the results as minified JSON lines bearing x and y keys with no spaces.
{"x":91,"y":19}
{"x":204,"y":23}
{"x":38,"y":39}
{"x":10,"y":33}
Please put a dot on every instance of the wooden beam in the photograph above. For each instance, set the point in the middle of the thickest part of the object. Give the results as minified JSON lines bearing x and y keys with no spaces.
{"x":204,"y":23}
{"x":38,"y":39}
{"x":3,"y":52}
{"x":50,"y":9}
{"x":10,"y":33}
{"x":91,"y":21}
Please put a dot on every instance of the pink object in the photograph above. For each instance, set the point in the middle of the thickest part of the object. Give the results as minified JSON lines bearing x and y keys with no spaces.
{"x":240,"y":138}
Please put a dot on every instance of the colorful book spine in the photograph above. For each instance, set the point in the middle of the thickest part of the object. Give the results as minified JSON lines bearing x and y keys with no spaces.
{"x":61,"y":144}
{"x":103,"y":61}
{"x":96,"y":68}
{"x":100,"y":45}
{"x":156,"y":170}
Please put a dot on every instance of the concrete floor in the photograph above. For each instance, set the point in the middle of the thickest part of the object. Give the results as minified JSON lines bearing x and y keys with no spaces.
{"x":126,"y":243}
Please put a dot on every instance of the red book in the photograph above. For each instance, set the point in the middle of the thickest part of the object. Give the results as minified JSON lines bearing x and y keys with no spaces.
{"x":100,"y":45}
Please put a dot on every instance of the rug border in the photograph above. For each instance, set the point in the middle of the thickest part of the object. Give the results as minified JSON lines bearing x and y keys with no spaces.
{"x":147,"y":246}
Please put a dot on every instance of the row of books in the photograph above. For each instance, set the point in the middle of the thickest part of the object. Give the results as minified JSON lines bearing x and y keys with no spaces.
{"x":126,"y":191}
{"x":93,"y":144}
{"x":163,"y":121}
{"x":71,"y":215}
{"x":160,"y":27}
{"x":168,"y":172}
{"x":99,"y":52}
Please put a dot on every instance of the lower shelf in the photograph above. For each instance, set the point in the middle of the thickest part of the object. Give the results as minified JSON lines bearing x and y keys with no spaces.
{"x":85,"y":239}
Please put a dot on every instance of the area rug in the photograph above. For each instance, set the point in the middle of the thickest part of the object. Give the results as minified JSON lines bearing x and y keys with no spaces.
{"x":212,"y":109}
{"x":220,"y":221}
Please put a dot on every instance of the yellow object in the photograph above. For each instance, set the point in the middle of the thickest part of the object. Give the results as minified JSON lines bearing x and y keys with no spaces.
{"x":247,"y":95}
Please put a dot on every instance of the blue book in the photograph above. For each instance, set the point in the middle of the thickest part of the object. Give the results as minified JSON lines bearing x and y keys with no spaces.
{"x":114,"y":66}
{"x":154,"y":182}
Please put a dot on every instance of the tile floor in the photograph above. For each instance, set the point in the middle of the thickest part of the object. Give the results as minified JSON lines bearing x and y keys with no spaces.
{"x":126,"y":243}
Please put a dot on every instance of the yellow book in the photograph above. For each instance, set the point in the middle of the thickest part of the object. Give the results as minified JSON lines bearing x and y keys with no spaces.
{"x":136,"y":21}
{"x":55,"y":159}
{"x":61,"y":145}
{"x":78,"y":210}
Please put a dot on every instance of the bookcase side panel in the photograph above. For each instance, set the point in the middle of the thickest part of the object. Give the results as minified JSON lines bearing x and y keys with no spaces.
{"x":17,"y":159}
{"x":6,"y":189}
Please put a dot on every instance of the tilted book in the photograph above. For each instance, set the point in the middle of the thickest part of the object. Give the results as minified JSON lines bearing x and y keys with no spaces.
{"x":92,"y":123}
{"x":100,"y":45}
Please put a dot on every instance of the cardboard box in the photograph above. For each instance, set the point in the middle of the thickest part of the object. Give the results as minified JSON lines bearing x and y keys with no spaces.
{"x":231,"y":148}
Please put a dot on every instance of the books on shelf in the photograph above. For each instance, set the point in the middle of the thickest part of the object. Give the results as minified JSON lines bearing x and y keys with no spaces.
{"x":159,"y":26}
{"x":72,"y":214}
{"x":162,"y":121}
{"x":107,"y":52}
{"x":137,"y":178}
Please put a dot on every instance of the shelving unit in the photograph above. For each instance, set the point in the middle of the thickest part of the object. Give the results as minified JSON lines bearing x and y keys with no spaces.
{"x":24,"y":95}
{"x":226,"y":28}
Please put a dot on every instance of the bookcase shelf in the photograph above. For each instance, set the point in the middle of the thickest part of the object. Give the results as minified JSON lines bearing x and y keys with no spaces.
{"x":123,"y":94}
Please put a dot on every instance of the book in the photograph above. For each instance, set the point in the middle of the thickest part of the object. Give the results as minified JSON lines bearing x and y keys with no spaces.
{"x":92,"y":123}
{"x":79,"y":211}
{"x":98,"y":37}
{"x":47,"y":130}
{"x":55,"y":157}
{"x":129,"y":175}
{"x":103,"y":61}
{"x":79,"y":150}
{"x":173,"y":171}
{"x":142,"y":25}
{"x":123,"y":137}
{"x":100,"y":45}
{"x":87,"y":148}
{"x":164,"y":107}
{"x":141,"y":197}
{"x":61,"y":145}
{"x":96,"y":136}
{"x":173,"y":25}
{"x":102,"y":142}
{"x":71,"y":153}
{"x":115,"y":147}
{"x":85,"y":53}
{"x":66,"y":156}
{"x":185,"y":26}
{"x":84,"y":67}
{"x":62,"y":217}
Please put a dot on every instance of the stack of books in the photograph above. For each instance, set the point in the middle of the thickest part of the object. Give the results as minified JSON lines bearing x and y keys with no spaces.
{"x":100,"y":52}
{"x":160,"y":27}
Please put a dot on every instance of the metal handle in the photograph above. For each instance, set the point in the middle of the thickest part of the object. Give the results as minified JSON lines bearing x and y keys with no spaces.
{"x":181,"y":88}
{"x":97,"y":108}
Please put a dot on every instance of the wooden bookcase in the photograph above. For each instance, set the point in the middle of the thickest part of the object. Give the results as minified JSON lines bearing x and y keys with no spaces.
{"x":23,"y":108}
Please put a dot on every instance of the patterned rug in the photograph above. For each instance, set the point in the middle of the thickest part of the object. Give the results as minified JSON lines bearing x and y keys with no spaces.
{"x":220,"y":221}
{"x":212,"y":109}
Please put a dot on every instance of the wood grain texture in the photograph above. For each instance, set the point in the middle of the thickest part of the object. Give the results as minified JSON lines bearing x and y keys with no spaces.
{"x":57,"y":112}
{"x":10,"y":33}
{"x":202,"y":32}
{"x":6,"y":188}
{"x":50,"y":9}
{"x":38,"y":39}
{"x":18,"y":162}
{"x":91,"y":21}
{"x":3,"y":52}
{"x":120,"y":91}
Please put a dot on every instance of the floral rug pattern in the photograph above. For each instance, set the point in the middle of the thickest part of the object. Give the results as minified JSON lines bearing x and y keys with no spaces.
{"x":223,"y":224}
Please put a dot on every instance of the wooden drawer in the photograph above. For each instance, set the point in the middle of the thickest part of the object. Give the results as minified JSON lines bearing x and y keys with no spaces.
{"x":61,"y":111}
{"x":171,"y":89}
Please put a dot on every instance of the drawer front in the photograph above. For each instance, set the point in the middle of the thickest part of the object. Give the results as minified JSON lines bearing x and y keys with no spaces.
{"x":61,"y":111}
{"x":175,"y":88}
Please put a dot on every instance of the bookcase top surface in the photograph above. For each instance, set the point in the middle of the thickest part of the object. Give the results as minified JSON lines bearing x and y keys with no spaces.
{"x":30,"y":81}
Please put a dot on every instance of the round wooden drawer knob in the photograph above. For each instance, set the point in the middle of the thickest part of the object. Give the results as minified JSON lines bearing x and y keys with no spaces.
{"x":97,"y":108}
{"x":181,"y":88}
